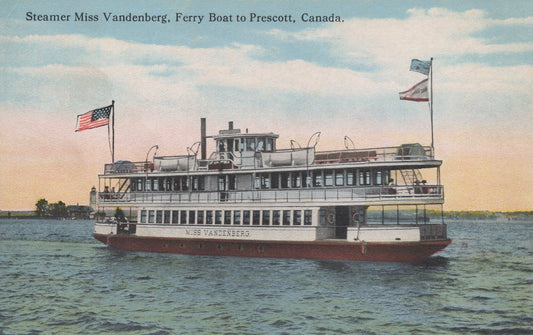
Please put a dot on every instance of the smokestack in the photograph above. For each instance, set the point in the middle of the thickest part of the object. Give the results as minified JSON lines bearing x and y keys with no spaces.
{"x":202,"y":138}
{"x":230,"y":125}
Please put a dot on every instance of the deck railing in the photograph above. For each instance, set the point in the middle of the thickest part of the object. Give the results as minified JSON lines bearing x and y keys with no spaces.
{"x":226,"y":160}
{"x":366,"y":194}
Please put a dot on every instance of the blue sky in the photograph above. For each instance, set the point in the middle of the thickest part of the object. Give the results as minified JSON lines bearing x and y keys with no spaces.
{"x":291,"y":78}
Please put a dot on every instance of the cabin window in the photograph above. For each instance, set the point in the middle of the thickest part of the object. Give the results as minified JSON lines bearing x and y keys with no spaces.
{"x":285,"y":179}
{"x":265,"y":181}
{"x":148,"y":185}
{"x":133,"y":185}
{"x":191,"y":217}
{"x":156,"y":184}
{"x":317,"y":178}
{"x":286,"y":218}
{"x":218,"y":217}
{"x":382,"y":177}
{"x":275,"y":218}
{"x":274,"y":180}
{"x":349,"y":177}
{"x":269,"y":144}
{"x":245,"y":217}
{"x":222,"y":146}
{"x":143,"y":216}
{"x":308,"y":217}
{"x":339,"y":178}
{"x":175,"y":217}
{"x":208,"y":217}
{"x":255,"y":217}
{"x":198,"y":183}
{"x":250,"y":144}
{"x":296,"y":180}
{"x":364,"y":177}
{"x":175,"y":184}
{"x":237,"y":217}
{"x":227,"y":217}
{"x":151,"y":216}
{"x":158,"y":216}
{"x":166,"y":217}
{"x":260,"y":144}
{"x":184,"y":183}
{"x":321,"y":217}
{"x":168,"y":184}
{"x":328,"y":178}
{"x":183,"y":217}
{"x":266,"y":218}
{"x":200,"y":217}
{"x":297,"y":217}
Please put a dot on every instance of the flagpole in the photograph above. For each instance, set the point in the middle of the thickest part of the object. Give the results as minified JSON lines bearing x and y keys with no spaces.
{"x":431,"y":105}
{"x":113,"y":131}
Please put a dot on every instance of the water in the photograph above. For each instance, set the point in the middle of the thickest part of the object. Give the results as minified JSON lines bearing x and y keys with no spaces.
{"x":55,"y":279}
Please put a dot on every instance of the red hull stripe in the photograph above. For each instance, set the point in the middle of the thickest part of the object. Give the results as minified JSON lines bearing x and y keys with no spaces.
{"x":411,"y":252}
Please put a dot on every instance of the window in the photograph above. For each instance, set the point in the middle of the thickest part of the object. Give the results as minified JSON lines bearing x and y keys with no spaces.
{"x":176,"y":183}
{"x":274,"y":180}
{"x":159,"y":217}
{"x":285,"y":179}
{"x":308,"y":217}
{"x":218,"y":217}
{"x":364,"y":177}
{"x":250,"y":144}
{"x":269,"y":144}
{"x":245,"y":217}
{"x":227,"y":217}
{"x":349,"y":177}
{"x":260,"y":144}
{"x":192,"y":217}
{"x":322,"y":217}
{"x":339,"y":178}
{"x":143,"y":216}
{"x":286,"y":218}
{"x":236,"y":217}
{"x":183,"y":217}
{"x":328,"y":178}
{"x":266,"y":218}
{"x":175,"y":217}
{"x":166,"y":217}
{"x":317,"y":178}
{"x":198,"y":183}
{"x":255,"y":217}
{"x":297,"y":217}
{"x":148,"y":185}
{"x":275,"y":218}
{"x":296,"y":180}
{"x":208,"y":217}
{"x":200,"y":217}
{"x":151,"y":216}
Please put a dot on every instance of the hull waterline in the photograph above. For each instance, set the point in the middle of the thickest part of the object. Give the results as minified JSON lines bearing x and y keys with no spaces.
{"x":411,"y":252}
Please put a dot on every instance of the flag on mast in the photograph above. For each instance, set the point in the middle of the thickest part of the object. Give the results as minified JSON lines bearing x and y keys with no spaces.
{"x":419,"y":92}
{"x":421,"y":66}
{"x":93,"y":119}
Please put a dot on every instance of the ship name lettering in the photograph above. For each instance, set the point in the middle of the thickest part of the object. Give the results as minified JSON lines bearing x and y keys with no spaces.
{"x":193,"y":232}
{"x":226,"y":233}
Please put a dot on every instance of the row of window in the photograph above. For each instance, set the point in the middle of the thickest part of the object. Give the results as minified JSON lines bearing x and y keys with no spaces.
{"x":274,"y":180}
{"x":321,"y":178}
{"x":229,"y":217}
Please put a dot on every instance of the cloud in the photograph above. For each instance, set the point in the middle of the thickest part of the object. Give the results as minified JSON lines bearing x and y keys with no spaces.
{"x":424,"y":33}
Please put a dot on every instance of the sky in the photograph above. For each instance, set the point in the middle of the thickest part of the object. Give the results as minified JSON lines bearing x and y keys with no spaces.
{"x":292,"y":78}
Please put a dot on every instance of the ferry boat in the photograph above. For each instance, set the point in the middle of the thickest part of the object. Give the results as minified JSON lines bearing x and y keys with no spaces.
{"x":251,"y":199}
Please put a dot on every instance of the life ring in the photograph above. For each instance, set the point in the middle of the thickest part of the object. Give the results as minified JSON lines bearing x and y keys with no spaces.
{"x":330,"y":218}
{"x":355,"y":217}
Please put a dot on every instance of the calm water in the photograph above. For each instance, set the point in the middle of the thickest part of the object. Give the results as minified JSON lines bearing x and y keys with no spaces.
{"x":55,"y":279}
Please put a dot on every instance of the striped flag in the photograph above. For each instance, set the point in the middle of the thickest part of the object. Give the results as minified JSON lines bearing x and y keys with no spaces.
{"x":421,"y":66}
{"x":94,"y":119}
{"x":419,"y":92}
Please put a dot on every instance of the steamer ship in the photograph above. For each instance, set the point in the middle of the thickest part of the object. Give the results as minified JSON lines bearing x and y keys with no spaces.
{"x":251,"y":199}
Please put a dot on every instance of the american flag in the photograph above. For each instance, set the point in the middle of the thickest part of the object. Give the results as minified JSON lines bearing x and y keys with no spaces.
{"x":94,"y":119}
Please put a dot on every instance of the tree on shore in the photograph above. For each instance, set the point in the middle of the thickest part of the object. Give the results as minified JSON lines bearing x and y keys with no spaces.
{"x":58,"y":209}
{"x":41,"y":207}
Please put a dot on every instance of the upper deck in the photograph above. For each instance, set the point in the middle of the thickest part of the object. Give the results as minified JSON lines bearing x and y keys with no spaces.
{"x":248,"y":167}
